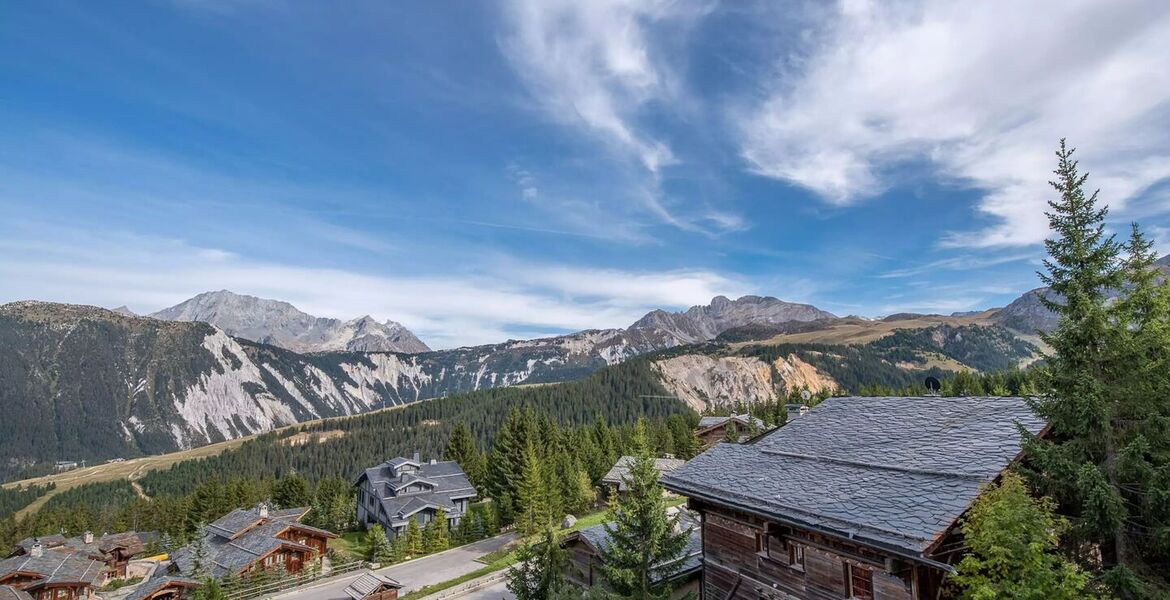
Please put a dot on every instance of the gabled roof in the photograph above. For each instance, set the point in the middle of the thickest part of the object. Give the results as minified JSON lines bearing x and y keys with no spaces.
{"x":368,"y":584}
{"x":890,"y":472}
{"x":621,"y":469}
{"x":707,"y":423}
{"x":8,"y":592}
{"x":132,"y":542}
{"x":157,"y":584}
{"x":445,"y":480}
{"x":242,"y":537}
{"x":55,"y":568}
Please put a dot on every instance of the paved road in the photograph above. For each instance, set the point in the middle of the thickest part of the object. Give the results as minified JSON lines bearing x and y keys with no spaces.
{"x":498,"y":591}
{"x":412,"y":575}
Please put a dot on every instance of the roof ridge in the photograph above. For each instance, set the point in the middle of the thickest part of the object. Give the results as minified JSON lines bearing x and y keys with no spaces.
{"x":869,"y":465}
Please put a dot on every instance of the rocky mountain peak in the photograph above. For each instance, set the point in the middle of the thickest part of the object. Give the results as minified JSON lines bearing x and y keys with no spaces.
{"x":705,"y":322}
{"x":282,"y":324}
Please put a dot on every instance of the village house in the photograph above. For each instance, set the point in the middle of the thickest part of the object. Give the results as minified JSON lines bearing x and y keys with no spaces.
{"x":616,"y":478}
{"x":115,"y":550}
{"x":8,"y":592}
{"x":859,"y":498}
{"x":46,"y":575}
{"x":712,"y":430}
{"x":401,"y":489}
{"x":163,"y":588}
{"x":584,"y":549}
{"x":245,"y":541}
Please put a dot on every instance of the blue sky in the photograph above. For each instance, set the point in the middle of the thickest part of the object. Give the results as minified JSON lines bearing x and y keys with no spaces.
{"x":492,"y":170}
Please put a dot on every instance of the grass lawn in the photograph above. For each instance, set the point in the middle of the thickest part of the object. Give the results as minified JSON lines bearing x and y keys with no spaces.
{"x":350,"y":544}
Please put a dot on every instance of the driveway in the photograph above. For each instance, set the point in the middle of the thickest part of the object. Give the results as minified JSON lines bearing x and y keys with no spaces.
{"x":414,"y":574}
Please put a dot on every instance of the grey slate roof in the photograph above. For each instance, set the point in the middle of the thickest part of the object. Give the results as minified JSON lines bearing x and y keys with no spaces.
{"x":56,"y":568}
{"x":8,"y":592}
{"x":151,"y":586}
{"x":445,"y":480}
{"x":692,"y":556}
{"x":133,"y":542}
{"x":369,"y":583}
{"x":621,"y":469}
{"x":708,"y":422}
{"x":892,"y":472}
{"x":240,"y":537}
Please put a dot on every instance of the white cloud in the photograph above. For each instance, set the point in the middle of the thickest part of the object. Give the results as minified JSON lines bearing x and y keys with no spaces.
{"x":590,"y":64}
{"x":980,"y":90}
{"x":506,"y":298}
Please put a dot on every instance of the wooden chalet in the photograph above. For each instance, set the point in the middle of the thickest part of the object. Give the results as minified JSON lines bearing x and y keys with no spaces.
{"x":245,"y":541}
{"x":616,"y":478}
{"x":859,"y":498}
{"x":45,"y":575}
{"x":373,"y":586}
{"x":163,"y":588}
{"x":402,"y":490}
{"x":713,"y":430}
{"x":115,"y":550}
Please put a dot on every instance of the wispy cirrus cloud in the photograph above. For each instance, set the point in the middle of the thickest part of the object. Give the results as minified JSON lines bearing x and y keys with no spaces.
{"x":980,"y":92}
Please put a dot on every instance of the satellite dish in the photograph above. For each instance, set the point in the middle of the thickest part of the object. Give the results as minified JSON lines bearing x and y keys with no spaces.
{"x":933,"y":385}
{"x":805,"y":395}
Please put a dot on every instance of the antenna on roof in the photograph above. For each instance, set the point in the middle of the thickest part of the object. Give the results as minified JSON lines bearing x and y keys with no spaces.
{"x":932,"y":386}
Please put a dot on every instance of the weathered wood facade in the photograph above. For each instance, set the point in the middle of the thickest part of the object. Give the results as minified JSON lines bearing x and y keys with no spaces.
{"x":749,"y":557}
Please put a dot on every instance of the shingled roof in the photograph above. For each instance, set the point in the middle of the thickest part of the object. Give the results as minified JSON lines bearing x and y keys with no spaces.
{"x":157,"y":584}
{"x":130,"y":542}
{"x":8,"y":592}
{"x":445,"y":481}
{"x":241,"y":537}
{"x":370,"y":583}
{"x":892,"y":472}
{"x":620,"y":471}
{"x":55,"y":568}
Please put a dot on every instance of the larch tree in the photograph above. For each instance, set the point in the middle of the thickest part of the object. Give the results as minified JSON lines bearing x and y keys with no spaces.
{"x":538,"y":573}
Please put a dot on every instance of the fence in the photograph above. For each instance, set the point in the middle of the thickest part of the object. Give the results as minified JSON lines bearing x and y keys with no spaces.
{"x":248,"y":590}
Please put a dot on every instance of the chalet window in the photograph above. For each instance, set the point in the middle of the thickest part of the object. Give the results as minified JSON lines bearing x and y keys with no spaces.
{"x":859,"y":582}
{"x":795,"y":555}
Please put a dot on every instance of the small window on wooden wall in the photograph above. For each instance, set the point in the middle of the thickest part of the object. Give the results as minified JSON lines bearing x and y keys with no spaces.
{"x":795,"y":555}
{"x":859,"y":582}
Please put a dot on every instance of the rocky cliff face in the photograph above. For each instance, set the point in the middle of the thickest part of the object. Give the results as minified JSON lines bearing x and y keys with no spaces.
{"x":704,"y":381}
{"x":281,"y":324}
{"x":705,"y":323}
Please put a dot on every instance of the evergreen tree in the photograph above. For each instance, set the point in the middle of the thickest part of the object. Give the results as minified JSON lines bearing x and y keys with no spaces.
{"x":538,"y":573}
{"x":643,"y":544}
{"x":292,"y":492}
{"x":412,"y":542}
{"x":201,"y":565}
{"x":378,"y":547}
{"x":209,"y":590}
{"x":532,"y":495}
{"x":1013,"y":542}
{"x":1096,"y":387}
{"x":461,"y":449}
{"x":436,"y":535}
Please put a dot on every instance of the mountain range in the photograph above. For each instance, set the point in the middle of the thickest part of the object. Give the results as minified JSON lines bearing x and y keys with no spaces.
{"x":81,"y":382}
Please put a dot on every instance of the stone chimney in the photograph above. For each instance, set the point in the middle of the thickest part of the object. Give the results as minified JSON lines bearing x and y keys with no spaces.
{"x":37,"y":550}
{"x":416,"y":456}
{"x":87,"y":537}
{"x":433,"y":461}
{"x":262,"y":508}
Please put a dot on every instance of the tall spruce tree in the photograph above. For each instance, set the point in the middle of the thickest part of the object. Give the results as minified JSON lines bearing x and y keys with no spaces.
{"x":644,"y":541}
{"x":461,"y":449}
{"x":1096,"y":387}
{"x":532,"y":496}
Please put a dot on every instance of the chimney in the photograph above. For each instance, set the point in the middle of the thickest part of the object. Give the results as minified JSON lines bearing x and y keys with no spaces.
{"x":433,"y":461}
{"x":87,"y":537}
{"x":37,"y":550}
{"x":416,"y":456}
{"x":262,"y":508}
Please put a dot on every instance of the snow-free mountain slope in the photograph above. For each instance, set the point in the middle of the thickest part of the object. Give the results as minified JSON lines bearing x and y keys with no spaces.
{"x":282,"y":324}
{"x":705,"y":323}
